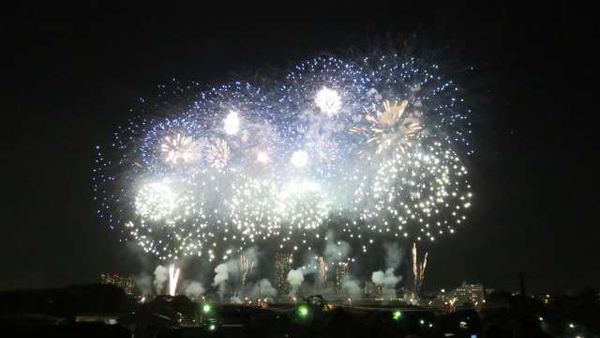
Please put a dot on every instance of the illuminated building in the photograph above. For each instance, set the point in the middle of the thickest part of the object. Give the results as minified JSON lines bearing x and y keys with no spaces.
{"x":473,"y":294}
{"x":283,"y":265}
{"x":341,"y":270}
{"x":126,"y":283}
{"x":470,"y":293}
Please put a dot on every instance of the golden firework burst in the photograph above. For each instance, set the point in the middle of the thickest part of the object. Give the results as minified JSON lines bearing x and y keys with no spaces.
{"x":390,"y":127}
{"x":219,"y":153}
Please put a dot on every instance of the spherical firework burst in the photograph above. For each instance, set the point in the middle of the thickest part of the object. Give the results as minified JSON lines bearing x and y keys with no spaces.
{"x":156,"y":200}
{"x":179,"y":148}
{"x":328,"y":101}
{"x":364,"y":149}
{"x":389,"y":128}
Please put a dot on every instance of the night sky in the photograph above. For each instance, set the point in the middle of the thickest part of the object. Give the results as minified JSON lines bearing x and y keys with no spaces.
{"x":72,"y":74}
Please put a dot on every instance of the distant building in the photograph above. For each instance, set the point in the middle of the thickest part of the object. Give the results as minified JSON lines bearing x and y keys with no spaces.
{"x":283,"y":265}
{"x":341,"y":271}
{"x":127,"y":283}
{"x":473,"y":294}
{"x":470,"y":293}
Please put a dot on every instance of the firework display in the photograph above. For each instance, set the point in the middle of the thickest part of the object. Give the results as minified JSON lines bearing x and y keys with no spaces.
{"x":365,"y":149}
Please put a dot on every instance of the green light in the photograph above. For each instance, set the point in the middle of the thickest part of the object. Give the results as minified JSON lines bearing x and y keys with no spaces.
{"x":206,"y":308}
{"x":303,"y":311}
{"x":397,"y":315}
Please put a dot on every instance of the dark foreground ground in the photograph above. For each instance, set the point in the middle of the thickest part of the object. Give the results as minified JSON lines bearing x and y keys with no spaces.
{"x":106,"y":311}
{"x":241,"y":321}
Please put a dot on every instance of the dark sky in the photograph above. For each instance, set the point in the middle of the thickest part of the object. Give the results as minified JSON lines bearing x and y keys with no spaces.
{"x":72,"y":73}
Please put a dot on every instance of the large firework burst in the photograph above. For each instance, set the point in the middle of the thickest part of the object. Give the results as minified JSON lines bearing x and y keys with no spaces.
{"x":364,"y":149}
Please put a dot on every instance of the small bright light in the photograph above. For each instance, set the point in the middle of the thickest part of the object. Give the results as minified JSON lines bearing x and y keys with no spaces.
{"x":212,"y":327}
{"x":299,"y":158}
{"x":262,"y":157}
{"x":421,"y":322}
{"x":541,"y":319}
{"x":206,"y":308}
{"x":303,"y":311}
{"x":328,"y":101}
{"x":397,"y":315}
{"x":231,"y":123}
{"x":571,"y":325}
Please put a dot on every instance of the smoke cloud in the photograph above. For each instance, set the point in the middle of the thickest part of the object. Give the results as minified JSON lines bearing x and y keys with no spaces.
{"x":161,"y":275}
{"x":385,"y":279}
{"x":194,"y":289}
{"x":335,"y":251}
{"x":295,"y":278}
{"x":266,"y":289}
{"x":144,"y":284}
{"x":393,"y":257}
{"x":351,"y":287}
{"x":221,"y":277}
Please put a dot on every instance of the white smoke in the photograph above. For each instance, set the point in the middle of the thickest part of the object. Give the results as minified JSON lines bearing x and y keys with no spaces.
{"x":194,"y":289}
{"x":393,"y":259}
{"x":221,"y":277}
{"x":335,"y":251}
{"x":229,"y":272}
{"x":295,"y":278}
{"x":266,"y":289}
{"x":252,"y":254}
{"x":236,"y":299}
{"x":161,"y":275}
{"x":143,"y":283}
{"x":386,"y":279}
{"x":351,"y":287}
{"x":393,"y":256}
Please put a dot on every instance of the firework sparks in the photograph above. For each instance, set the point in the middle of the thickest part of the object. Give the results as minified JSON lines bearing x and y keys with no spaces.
{"x":179,"y":148}
{"x":328,"y":101}
{"x":418,"y":269}
{"x":173,"y":279}
{"x":389,"y":128}
{"x":299,"y":159}
{"x":245,"y":267}
{"x":231,"y":124}
{"x":156,"y":200}
{"x":219,"y":153}
{"x":292,"y":167}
